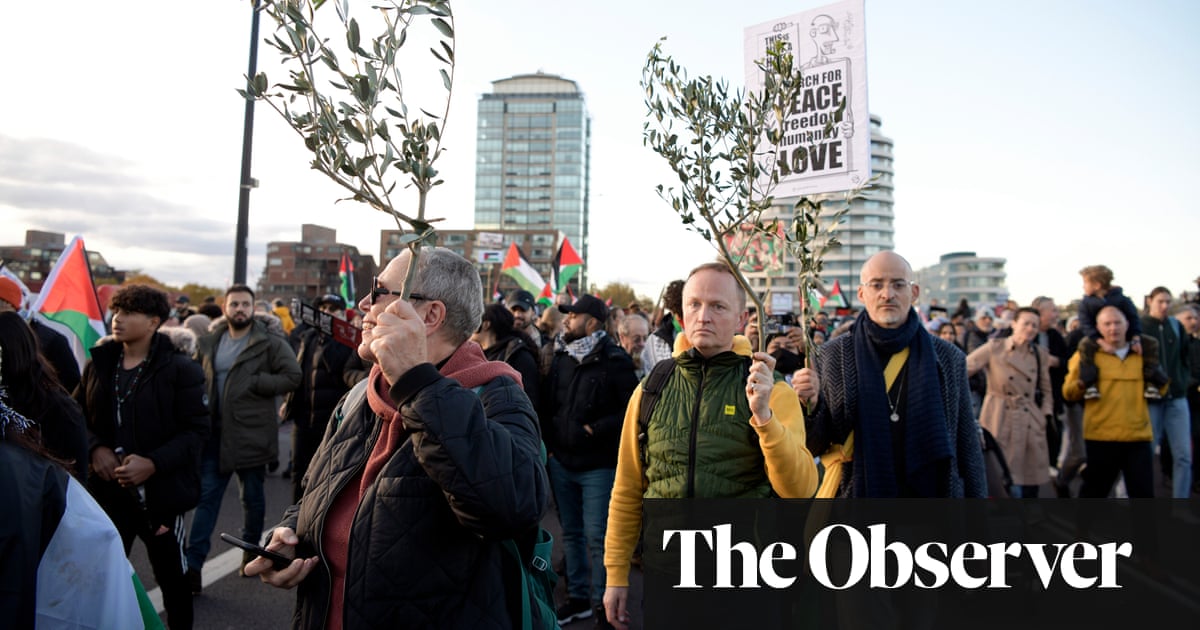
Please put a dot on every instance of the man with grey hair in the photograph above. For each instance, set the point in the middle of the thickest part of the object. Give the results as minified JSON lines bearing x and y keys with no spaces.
{"x":426,"y":468}
{"x":633,"y":332}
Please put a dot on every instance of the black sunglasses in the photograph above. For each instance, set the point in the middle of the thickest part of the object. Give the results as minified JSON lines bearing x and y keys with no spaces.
{"x":377,"y":290}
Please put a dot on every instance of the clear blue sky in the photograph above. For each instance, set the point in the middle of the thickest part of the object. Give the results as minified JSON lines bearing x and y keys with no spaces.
{"x":1055,"y":134}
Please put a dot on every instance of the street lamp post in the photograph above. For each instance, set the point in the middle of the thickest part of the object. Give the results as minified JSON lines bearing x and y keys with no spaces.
{"x":247,"y":182}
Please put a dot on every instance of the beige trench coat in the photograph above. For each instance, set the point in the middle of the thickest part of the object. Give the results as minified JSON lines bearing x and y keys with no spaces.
{"x":1009,"y":412}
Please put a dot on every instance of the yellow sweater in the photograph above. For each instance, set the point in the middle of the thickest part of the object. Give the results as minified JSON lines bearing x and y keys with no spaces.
{"x":790,"y":467}
{"x":1120,"y":413}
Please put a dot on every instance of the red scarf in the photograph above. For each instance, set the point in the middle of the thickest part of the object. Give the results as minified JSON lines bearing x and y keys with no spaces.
{"x":471,"y":369}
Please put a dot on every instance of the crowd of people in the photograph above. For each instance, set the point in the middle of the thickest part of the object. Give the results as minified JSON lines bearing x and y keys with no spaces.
{"x":420,"y":456}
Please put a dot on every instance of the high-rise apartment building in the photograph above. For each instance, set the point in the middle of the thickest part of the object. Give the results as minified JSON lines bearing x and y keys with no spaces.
{"x":963,"y":275}
{"x":532,"y":158}
{"x":866,"y":229}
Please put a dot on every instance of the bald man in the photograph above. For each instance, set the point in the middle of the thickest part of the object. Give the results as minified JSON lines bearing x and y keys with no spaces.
{"x":891,"y":409}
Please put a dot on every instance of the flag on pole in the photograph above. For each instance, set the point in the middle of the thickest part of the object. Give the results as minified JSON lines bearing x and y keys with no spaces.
{"x":346,"y":274}
{"x":837,"y":299}
{"x":815,"y":299}
{"x":68,"y":302}
{"x":567,"y":263}
{"x":547,"y":296}
{"x":517,"y":267}
{"x":489,"y":256}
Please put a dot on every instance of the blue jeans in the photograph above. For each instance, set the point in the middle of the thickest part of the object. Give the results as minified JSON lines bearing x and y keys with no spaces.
{"x":1171,"y":415}
{"x":212,"y":490}
{"x":582,"y":498}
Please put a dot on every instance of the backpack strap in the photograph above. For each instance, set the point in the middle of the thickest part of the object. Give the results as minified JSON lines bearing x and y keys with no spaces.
{"x":651,"y":389}
{"x":354,"y":399}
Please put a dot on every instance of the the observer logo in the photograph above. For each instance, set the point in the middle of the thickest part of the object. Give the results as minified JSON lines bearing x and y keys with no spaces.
{"x":892,"y":564}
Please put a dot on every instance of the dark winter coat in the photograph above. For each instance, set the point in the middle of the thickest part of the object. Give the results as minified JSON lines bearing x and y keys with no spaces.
{"x":1090,"y":305}
{"x":592,"y":392}
{"x":170,"y":423}
{"x":424,"y":550}
{"x":64,"y":434}
{"x":1057,"y":346}
{"x":245,"y":415}
{"x":515,"y":352}
{"x":33,"y":497}
{"x":975,"y":338}
{"x":1173,"y":350}
{"x":58,"y":352}
{"x":322,"y":363}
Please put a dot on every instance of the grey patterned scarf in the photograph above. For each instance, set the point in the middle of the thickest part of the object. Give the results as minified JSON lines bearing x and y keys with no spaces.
{"x":580,"y":347}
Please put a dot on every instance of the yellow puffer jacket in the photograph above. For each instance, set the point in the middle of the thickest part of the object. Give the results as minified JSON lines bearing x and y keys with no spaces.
{"x":1120,"y":414}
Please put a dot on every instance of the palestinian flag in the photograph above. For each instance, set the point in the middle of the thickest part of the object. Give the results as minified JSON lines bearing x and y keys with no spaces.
{"x":837,"y":299}
{"x":84,"y":579}
{"x":567,"y":263}
{"x":517,"y":267}
{"x":346,"y":274}
{"x":547,"y":296}
{"x":815,"y":300}
{"x":68,"y":302}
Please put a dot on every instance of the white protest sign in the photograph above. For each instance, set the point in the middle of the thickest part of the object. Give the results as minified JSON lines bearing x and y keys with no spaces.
{"x":782,"y":303}
{"x":826,"y":144}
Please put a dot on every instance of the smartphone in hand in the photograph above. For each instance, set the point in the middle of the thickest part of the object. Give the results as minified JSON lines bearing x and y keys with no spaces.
{"x":278,"y":561}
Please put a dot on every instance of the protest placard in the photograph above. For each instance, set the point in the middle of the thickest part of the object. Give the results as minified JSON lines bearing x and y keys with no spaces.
{"x":826,"y":131}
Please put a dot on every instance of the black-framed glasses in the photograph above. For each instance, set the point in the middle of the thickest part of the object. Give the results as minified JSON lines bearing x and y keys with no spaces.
{"x":896,"y":285}
{"x":377,"y":291}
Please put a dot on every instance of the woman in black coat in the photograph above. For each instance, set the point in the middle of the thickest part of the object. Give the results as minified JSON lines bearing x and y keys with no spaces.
{"x":34,"y":391}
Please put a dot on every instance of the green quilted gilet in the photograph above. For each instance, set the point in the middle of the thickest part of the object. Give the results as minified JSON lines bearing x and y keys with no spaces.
{"x":699,"y":441}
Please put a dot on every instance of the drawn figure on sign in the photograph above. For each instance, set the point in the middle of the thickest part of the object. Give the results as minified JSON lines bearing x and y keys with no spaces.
{"x":824,"y":35}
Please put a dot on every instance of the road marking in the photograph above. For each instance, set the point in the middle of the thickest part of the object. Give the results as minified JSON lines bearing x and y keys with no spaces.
{"x":214,"y":569}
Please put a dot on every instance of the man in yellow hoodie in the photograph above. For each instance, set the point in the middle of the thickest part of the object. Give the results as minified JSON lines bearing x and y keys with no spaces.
{"x":1116,"y":426}
{"x":715,"y":384}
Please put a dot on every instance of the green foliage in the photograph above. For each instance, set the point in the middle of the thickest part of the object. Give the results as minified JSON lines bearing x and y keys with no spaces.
{"x":351,"y":113}
{"x":620,"y":293}
{"x":197,"y":292}
{"x":807,"y":240}
{"x":720,"y":145}
{"x":138,"y":277}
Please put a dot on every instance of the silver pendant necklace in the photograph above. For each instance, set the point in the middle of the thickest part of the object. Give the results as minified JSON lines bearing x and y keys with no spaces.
{"x":895,"y":417}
